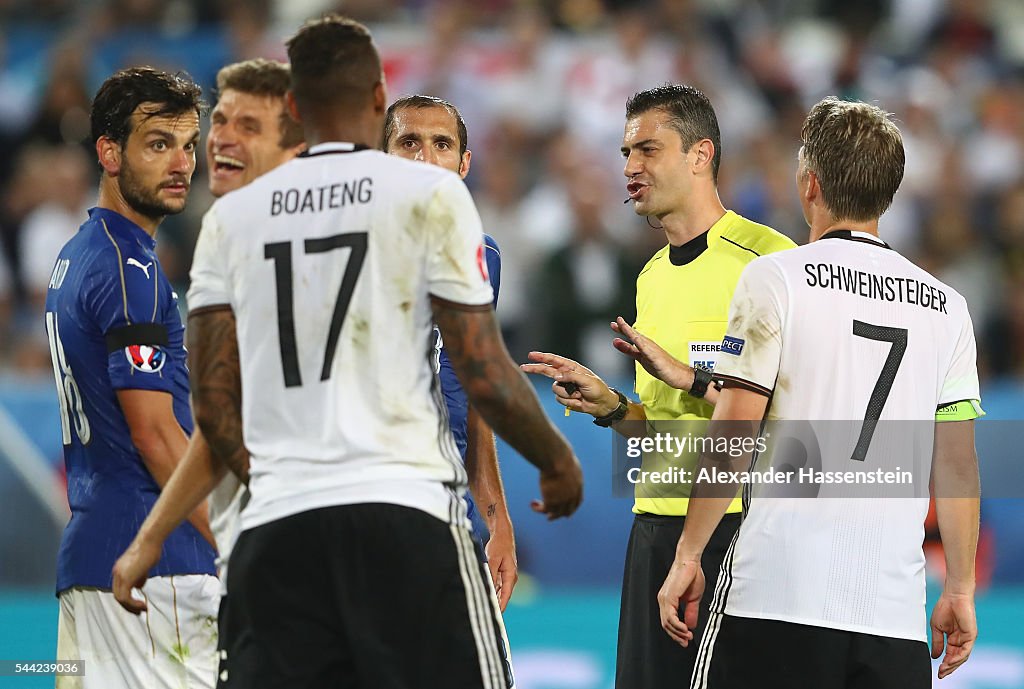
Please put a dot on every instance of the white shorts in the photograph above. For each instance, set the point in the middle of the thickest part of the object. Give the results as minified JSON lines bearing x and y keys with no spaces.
{"x":225,"y":504}
{"x":172,"y":646}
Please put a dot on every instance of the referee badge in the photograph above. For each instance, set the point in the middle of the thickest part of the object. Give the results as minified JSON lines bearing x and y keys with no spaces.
{"x":145,"y":358}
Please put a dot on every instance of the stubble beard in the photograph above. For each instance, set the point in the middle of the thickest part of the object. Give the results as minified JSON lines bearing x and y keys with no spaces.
{"x":145,"y":202}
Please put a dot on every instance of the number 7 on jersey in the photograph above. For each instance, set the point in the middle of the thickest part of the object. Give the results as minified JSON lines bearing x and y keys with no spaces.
{"x":883,"y":386}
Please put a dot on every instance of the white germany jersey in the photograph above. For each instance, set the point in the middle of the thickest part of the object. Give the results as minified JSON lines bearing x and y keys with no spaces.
{"x":328,"y":263}
{"x":844,"y":329}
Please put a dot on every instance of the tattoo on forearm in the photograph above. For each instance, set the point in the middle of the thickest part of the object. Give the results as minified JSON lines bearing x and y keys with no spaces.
{"x":217,"y":386}
{"x":497,"y":388}
{"x":492,"y":509}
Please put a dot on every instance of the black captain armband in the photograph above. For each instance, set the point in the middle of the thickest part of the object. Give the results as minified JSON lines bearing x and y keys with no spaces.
{"x":137,"y":334}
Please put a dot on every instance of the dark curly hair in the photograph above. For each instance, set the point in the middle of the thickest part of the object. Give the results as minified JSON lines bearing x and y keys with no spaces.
{"x":125,"y":91}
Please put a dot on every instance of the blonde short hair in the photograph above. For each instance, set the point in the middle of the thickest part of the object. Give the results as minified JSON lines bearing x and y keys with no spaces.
{"x":856,"y":152}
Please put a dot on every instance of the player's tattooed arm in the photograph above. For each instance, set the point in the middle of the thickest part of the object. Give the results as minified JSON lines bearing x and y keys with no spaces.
{"x":217,"y":385}
{"x":506,"y":401}
{"x":487,"y":489}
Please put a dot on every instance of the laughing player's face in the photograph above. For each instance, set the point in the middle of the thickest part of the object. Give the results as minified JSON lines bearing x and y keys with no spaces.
{"x":157,"y":162}
{"x":655,"y":164}
{"x":245,"y":139}
{"x":429,"y":135}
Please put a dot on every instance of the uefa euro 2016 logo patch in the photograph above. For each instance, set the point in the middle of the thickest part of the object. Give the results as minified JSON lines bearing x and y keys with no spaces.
{"x":481,"y":261}
{"x":145,"y":358}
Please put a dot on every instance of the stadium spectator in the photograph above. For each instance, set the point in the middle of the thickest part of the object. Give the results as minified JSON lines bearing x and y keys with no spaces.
{"x":56,"y":220}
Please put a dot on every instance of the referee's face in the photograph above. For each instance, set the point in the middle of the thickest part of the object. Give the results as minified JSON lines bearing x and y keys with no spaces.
{"x":656,"y":164}
{"x":429,"y":135}
{"x":244,"y":140}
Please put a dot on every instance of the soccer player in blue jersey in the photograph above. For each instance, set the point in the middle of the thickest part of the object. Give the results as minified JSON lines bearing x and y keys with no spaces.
{"x":116,"y":341}
{"x":251,"y":133}
{"x":432,"y":130}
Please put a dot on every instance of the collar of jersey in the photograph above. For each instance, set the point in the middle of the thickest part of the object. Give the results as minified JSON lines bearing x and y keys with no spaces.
{"x":329,"y":147}
{"x":692,"y":249}
{"x":854,"y":236}
{"x":119,"y":225}
{"x":689,"y":251}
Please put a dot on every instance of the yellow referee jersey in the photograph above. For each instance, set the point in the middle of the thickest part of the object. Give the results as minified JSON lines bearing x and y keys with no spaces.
{"x":682,"y":303}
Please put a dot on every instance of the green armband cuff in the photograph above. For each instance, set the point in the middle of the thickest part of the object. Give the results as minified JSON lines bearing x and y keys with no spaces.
{"x":963,"y":410}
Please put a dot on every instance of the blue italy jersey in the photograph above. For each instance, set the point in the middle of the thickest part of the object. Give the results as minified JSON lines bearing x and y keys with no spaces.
{"x":112,"y":322}
{"x":454,"y":396}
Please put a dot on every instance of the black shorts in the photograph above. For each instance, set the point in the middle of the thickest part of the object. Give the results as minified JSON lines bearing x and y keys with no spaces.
{"x":647,"y":658}
{"x":367,"y":596}
{"x":224,"y":631}
{"x":741,"y":652}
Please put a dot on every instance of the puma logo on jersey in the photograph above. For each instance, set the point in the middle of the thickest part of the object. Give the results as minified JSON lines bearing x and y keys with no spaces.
{"x":144,"y":268}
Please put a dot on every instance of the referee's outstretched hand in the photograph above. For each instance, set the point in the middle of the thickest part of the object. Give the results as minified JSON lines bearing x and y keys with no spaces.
{"x":561,"y":489}
{"x":131,"y":571}
{"x":651,"y":356}
{"x":683,"y":588}
{"x":955,"y":627}
{"x":576,"y":386}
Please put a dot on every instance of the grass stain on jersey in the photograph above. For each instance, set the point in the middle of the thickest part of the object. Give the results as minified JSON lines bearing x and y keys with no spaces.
{"x":179,"y":653}
{"x":360,"y":330}
{"x":760,"y":331}
{"x":419,"y":219}
{"x":209,"y":626}
{"x":444,"y":223}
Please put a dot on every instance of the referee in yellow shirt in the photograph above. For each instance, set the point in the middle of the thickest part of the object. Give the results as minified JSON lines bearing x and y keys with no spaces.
{"x":672,"y":148}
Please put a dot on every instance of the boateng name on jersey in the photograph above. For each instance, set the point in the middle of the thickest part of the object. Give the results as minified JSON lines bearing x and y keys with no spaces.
{"x":331,"y":294}
{"x":321,"y":198}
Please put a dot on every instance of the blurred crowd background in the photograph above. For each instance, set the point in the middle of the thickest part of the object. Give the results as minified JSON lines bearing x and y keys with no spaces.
{"x":542,"y":86}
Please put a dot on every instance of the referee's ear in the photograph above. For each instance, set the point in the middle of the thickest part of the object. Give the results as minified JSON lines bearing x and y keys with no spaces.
{"x":705,"y":155}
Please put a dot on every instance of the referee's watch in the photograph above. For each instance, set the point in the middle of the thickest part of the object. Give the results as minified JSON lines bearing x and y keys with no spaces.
{"x":701,"y":380}
{"x":617,"y":414}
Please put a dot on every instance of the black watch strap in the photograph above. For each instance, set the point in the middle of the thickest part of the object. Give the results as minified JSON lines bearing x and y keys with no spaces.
{"x":618,"y":414}
{"x":701,"y":380}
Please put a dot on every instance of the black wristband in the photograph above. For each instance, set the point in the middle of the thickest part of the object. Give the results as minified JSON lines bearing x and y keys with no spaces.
{"x":618,"y":414}
{"x":701,"y":380}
